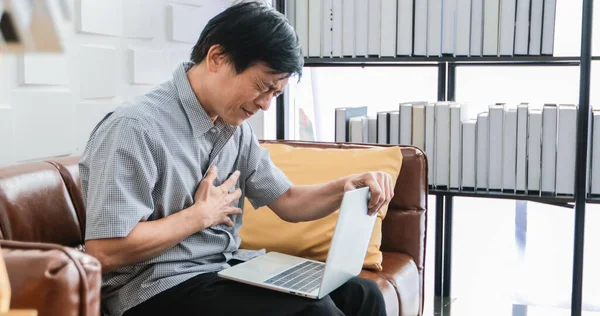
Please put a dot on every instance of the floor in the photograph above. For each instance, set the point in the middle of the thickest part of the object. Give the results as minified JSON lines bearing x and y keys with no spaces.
{"x":514,"y":258}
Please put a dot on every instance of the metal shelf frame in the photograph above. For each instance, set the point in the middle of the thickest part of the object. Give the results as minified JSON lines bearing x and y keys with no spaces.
{"x":446,"y":92}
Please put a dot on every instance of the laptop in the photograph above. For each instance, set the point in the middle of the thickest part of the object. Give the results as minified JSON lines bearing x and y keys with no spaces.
{"x":309,"y":278}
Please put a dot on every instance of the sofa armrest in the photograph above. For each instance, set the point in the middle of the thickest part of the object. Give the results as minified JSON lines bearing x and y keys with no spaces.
{"x":404,"y":227}
{"x":52,"y":279}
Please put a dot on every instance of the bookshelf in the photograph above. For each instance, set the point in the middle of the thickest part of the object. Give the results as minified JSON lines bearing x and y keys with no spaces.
{"x":446,"y":92}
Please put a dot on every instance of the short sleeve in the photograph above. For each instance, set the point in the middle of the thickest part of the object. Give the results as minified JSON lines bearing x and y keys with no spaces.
{"x":118,"y":174}
{"x":265,"y":182}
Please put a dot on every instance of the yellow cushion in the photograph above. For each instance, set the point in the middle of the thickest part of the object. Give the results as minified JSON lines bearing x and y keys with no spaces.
{"x":263,"y":229}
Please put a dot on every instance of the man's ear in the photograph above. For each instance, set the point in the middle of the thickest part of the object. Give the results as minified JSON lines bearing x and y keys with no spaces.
{"x":215,"y":58}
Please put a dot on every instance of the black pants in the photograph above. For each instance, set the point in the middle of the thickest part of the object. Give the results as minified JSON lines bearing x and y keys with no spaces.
{"x":209,"y":294}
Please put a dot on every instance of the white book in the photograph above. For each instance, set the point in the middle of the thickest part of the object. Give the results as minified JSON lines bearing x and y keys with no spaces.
{"x":534,"y":150}
{"x":388,"y":28}
{"x":595,"y":159}
{"x":337,"y":32}
{"x":463,"y":28}
{"x":420,"y":36}
{"x":491,"y":16}
{"x":327,"y":28}
{"x":469,"y":162}
{"x":348,"y":23}
{"x":496,"y":133}
{"x":522,"y":120}
{"x":342,"y":121}
{"x":566,"y":149}
{"x":457,"y":115}
{"x":290,"y":11}
{"x":315,"y":16}
{"x":434,"y":28}
{"x":418,"y":125}
{"x":535,"y":27}
{"x":356,"y":129}
{"x":382,"y":128}
{"x":509,"y":149}
{"x":442,"y":144}
{"x":508,"y":10}
{"x":404,"y":40}
{"x":430,"y":140}
{"x":365,"y":129}
{"x":374,"y":28}
{"x":548,"y":27}
{"x":372,"y":123}
{"x":477,"y":27}
{"x":361,"y":27}
{"x":449,"y":32}
{"x":394,"y":127}
{"x":482,"y":151}
{"x":522,"y":27}
{"x":405,"y":136}
{"x":549,"y":139}
{"x":302,"y":24}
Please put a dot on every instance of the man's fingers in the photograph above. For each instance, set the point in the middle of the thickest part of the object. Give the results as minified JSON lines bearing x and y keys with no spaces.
{"x":231,"y":181}
{"x":227,"y":221}
{"x":235,"y":195}
{"x":211,"y":175}
{"x":376,"y":194}
{"x":392,"y":186}
{"x":233,"y":211}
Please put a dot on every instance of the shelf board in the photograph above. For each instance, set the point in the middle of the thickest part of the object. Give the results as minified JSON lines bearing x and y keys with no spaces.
{"x":546,"y":199}
{"x":397,"y":61}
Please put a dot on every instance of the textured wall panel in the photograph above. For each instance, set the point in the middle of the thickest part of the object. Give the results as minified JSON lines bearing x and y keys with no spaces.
{"x":177,"y":57}
{"x":98,"y":72}
{"x":8,"y":77}
{"x":102,"y":17}
{"x":147,"y":66}
{"x":44,"y":124}
{"x":185,"y":22}
{"x":6,"y":136}
{"x":43,"y":69}
{"x":224,"y":3}
{"x":88,"y":116}
{"x":140,"y":18}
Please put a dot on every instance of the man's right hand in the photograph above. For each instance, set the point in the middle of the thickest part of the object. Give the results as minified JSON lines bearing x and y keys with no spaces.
{"x":212,"y":204}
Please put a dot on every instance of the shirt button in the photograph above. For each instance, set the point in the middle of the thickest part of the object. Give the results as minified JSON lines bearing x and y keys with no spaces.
{"x":213,"y":130}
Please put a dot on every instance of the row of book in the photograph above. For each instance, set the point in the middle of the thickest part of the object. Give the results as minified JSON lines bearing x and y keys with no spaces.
{"x":390,"y":28}
{"x":522,"y":148}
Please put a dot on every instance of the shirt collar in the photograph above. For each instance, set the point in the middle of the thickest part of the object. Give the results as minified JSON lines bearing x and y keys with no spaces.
{"x":197,"y":116}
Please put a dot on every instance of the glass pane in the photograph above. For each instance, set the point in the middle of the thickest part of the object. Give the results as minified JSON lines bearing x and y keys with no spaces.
{"x":481,"y":86}
{"x":595,"y":84}
{"x":321,"y":90}
{"x":591,"y":258}
{"x":596,"y":30}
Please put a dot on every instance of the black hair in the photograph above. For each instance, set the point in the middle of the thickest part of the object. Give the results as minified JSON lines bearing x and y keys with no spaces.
{"x":252,"y":32}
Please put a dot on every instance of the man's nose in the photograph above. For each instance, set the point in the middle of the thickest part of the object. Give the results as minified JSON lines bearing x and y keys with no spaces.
{"x":264,"y":101}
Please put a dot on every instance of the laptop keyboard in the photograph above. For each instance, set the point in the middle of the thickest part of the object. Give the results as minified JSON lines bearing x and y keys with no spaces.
{"x":304,"y":277}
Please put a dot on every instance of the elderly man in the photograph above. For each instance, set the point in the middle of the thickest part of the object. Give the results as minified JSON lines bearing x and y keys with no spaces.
{"x":163,"y":180}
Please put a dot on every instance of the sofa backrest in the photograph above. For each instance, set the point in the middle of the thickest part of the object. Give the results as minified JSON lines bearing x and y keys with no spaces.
{"x":43,"y":202}
{"x":36,"y":206}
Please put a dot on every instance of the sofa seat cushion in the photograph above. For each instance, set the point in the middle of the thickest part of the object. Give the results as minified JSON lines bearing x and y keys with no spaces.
{"x":397,"y":282}
{"x":305,"y":166}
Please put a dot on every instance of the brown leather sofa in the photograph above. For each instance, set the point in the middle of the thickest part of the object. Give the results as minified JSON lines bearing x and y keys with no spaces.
{"x":41,"y":206}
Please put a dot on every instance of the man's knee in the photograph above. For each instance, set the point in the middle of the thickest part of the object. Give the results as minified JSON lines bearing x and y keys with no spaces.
{"x":364,"y":287}
{"x":324,"y":306}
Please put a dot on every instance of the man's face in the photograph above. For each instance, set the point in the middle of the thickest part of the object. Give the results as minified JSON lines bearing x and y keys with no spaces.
{"x":240,"y":96}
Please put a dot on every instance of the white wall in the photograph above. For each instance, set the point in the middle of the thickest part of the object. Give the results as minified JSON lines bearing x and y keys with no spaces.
{"x":114,"y":51}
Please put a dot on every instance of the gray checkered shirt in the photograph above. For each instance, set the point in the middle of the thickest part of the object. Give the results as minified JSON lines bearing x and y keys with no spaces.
{"x":145,"y":161}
